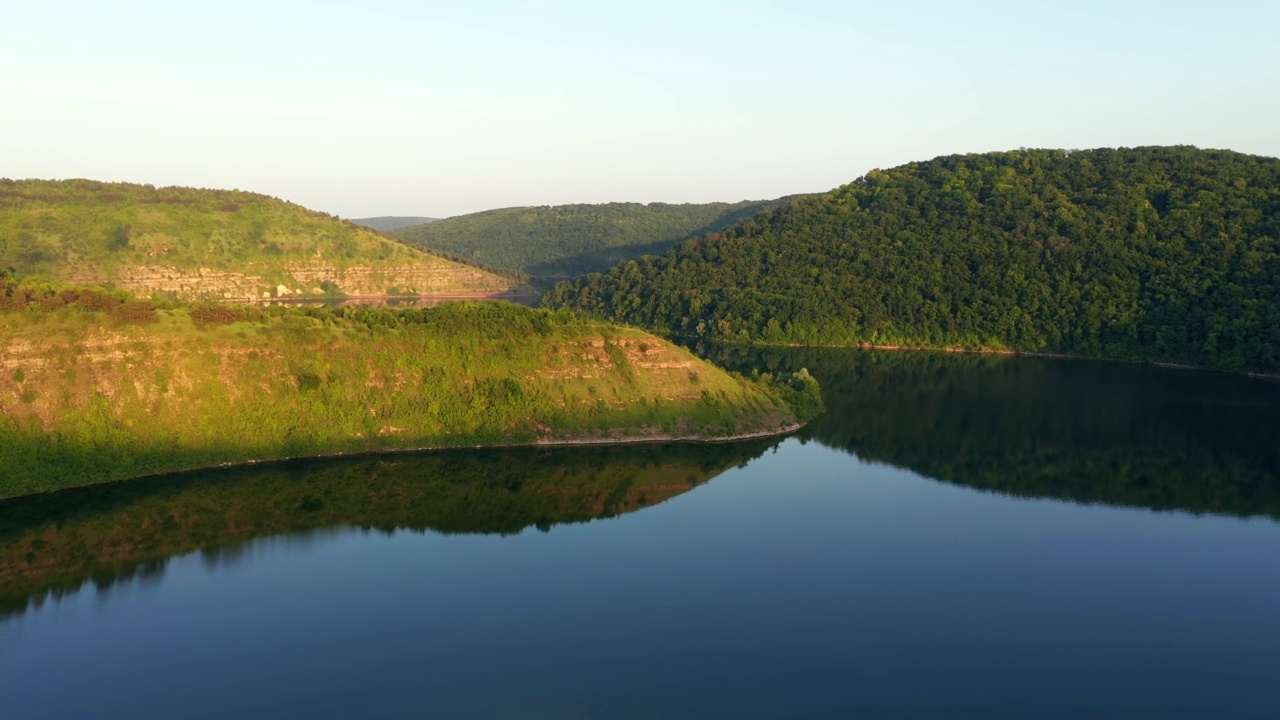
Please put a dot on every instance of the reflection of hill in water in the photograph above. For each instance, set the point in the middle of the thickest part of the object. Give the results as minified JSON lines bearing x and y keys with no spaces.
{"x":1092,"y":432}
{"x":111,"y":532}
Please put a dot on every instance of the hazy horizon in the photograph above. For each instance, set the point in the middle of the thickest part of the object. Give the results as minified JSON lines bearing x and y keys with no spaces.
{"x":396,"y":108}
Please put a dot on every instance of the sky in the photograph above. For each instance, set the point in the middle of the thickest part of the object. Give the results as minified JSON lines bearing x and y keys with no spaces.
{"x":382,"y":107}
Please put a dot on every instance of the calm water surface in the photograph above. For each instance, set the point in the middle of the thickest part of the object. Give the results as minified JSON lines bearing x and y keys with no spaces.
{"x":957,"y":536}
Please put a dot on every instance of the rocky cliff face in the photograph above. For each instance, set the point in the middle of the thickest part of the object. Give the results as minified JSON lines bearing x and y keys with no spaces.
{"x":416,"y":279}
{"x":191,"y":283}
{"x":308,"y":278}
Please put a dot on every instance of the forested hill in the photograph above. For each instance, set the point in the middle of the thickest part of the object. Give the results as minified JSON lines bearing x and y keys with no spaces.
{"x":386,"y":223}
{"x":568,"y":240}
{"x":198,"y":243}
{"x":1160,"y":253}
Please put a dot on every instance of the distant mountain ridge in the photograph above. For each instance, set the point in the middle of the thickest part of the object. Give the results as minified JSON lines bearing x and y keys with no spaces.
{"x":387,"y":223}
{"x":194,"y":243}
{"x":1159,"y":253}
{"x":560,"y":241}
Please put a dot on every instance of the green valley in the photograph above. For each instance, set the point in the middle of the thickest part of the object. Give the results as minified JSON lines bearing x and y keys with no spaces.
{"x":567,"y":240}
{"x":1157,"y":253}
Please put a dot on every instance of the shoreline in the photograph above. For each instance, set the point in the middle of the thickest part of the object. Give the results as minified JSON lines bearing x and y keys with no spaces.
{"x":1270,"y":377}
{"x":657,"y":439}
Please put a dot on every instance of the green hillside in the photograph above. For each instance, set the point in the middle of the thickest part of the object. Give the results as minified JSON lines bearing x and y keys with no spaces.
{"x":215,"y":244}
{"x":1158,"y":253}
{"x":568,"y":240}
{"x":95,"y":386}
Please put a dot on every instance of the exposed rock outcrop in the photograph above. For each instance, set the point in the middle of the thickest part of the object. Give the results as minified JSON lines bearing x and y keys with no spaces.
{"x":308,"y":278}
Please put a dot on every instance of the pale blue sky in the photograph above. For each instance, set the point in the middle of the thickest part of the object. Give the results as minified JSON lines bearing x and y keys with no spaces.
{"x":386,"y":107}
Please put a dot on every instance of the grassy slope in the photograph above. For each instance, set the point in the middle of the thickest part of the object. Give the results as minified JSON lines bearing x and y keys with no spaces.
{"x":86,"y":399}
{"x":112,"y":532}
{"x":568,"y":240}
{"x":208,"y":243}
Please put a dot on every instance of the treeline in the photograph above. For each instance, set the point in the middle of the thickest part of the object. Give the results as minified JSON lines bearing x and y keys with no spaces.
{"x":570,"y":240}
{"x":1160,"y":253}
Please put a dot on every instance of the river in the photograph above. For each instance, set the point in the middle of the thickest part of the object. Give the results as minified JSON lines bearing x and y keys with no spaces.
{"x":958,"y":536}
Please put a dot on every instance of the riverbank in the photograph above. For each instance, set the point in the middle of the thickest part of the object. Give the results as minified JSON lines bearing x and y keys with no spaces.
{"x":613,"y":441}
{"x":1273,"y":377}
{"x":609,"y":441}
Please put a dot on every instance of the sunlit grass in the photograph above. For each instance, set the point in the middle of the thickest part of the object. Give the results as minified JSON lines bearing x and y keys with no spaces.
{"x":89,"y":398}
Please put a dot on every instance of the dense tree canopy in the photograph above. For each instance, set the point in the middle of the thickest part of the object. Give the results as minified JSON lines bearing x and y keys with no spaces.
{"x":568,"y":240}
{"x":1164,"y":253}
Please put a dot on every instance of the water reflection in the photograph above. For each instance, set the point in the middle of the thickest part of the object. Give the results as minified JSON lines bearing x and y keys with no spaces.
{"x":1088,"y":432}
{"x":125,"y":532}
{"x":808,"y":584}
{"x":1094,"y":432}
